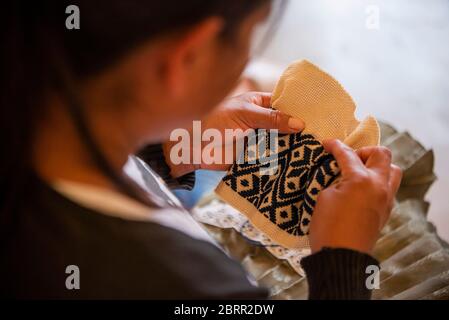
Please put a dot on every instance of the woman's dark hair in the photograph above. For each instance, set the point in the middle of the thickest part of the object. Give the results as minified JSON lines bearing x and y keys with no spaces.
{"x":39,"y":53}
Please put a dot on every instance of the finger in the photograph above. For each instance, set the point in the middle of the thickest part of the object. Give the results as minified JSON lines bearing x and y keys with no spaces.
{"x":364,"y":153}
{"x":376,"y":158}
{"x":264,"y":118}
{"x":395,"y":179}
{"x":380,"y":161}
{"x":393,"y":185}
{"x":262,"y":99}
{"x":348,"y":161}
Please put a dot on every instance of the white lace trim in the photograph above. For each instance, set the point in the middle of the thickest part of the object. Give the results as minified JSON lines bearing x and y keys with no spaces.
{"x":219,"y":214}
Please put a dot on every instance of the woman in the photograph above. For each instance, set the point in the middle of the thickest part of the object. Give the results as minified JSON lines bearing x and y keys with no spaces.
{"x":77,"y":103}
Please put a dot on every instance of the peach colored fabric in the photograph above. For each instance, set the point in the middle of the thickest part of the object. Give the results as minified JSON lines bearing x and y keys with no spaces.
{"x":306,"y":92}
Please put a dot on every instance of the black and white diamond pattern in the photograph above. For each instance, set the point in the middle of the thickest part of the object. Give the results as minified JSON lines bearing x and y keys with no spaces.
{"x":287,"y":196}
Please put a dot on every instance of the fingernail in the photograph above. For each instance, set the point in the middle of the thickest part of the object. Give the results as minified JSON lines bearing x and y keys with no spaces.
{"x":295,"y":124}
{"x":327,"y":143}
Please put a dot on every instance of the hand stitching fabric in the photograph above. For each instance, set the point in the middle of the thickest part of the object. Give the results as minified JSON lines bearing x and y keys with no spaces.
{"x":281,"y":204}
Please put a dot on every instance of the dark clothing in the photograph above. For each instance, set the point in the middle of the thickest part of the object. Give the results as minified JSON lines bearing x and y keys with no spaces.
{"x":117,"y":258}
{"x":125,"y":259}
{"x":338,"y":274}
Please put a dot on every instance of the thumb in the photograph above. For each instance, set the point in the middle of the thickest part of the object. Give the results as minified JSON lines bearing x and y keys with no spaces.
{"x":265,"y":118}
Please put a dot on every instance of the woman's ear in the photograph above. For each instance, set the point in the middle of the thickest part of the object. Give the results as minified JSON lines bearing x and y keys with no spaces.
{"x":189,"y":56}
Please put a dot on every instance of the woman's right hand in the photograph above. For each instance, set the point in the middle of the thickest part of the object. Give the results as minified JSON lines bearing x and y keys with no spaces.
{"x":351,"y":213}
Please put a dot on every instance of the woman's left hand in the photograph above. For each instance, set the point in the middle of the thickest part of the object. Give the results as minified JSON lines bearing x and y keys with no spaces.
{"x":230,"y":120}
